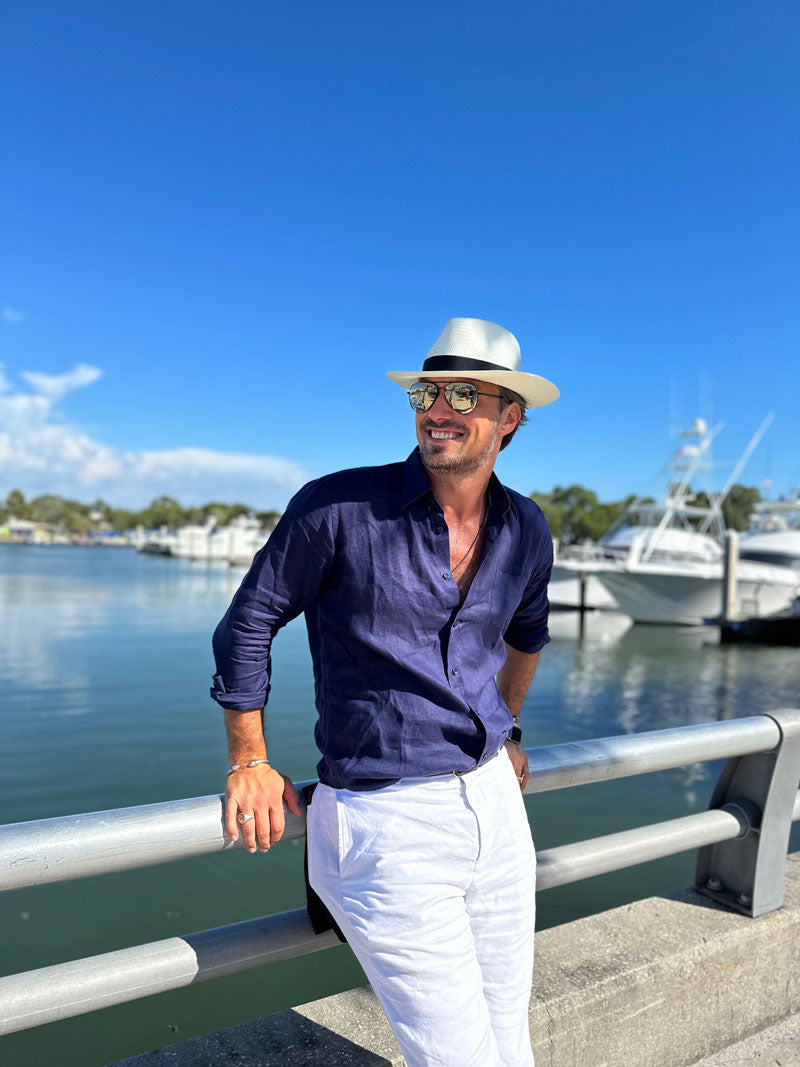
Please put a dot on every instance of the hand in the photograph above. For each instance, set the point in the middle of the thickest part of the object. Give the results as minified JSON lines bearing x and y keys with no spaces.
{"x":519,"y":761}
{"x":259,"y":791}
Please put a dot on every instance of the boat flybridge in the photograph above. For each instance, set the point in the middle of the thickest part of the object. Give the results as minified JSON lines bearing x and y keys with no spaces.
{"x":663,"y":562}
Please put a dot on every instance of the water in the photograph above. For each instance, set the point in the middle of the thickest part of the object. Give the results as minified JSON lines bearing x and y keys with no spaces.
{"x":105,"y":665}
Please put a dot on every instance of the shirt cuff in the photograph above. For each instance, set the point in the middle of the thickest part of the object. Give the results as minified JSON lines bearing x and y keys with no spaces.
{"x":236,"y":701}
{"x":529,"y":643}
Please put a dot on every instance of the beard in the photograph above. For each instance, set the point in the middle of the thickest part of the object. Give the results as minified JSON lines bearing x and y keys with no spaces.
{"x":436,"y":458}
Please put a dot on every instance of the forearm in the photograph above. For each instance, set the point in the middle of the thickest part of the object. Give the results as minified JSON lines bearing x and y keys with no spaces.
{"x":245,"y":736}
{"x":516,"y":676}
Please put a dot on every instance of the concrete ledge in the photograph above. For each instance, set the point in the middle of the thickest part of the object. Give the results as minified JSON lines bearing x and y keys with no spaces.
{"x":662,"y":982}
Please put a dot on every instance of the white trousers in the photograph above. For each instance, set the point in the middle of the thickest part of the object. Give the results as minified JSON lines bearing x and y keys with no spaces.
{"x":432,"y":883}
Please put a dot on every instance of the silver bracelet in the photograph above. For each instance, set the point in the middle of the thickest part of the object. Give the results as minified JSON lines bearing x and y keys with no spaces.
{"x":252,"y":763}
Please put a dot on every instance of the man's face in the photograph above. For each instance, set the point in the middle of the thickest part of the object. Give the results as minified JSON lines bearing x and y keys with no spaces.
{"x":454,"y":443}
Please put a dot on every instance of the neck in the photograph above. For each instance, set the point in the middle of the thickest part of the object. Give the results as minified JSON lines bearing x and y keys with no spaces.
{"x":461,"y":496}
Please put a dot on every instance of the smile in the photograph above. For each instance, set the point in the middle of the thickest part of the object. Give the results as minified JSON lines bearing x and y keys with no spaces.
{"x":445,"y":435}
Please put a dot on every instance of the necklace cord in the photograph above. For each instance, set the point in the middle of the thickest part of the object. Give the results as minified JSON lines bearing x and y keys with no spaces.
{"x":484,"y":516}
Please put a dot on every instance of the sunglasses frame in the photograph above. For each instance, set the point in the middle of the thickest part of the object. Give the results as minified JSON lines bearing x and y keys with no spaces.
{"x":448,"y":392}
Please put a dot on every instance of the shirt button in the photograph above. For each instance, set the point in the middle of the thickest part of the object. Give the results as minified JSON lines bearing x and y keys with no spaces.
{"x":446,"y":575}
{"x":440,"y":529}
{"x":454,"y":670}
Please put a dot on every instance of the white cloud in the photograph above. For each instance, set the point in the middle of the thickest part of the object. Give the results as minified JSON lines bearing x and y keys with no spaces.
{"x":39,"y":453}
{"x":13,"y":315}
{"x":55,"y":386}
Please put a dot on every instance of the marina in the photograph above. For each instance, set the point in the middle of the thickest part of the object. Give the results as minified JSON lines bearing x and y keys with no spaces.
{"x":254,"y":254}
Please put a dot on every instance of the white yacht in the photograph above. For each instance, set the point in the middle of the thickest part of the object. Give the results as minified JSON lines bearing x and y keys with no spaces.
{"x":774,"y":534}
{"x":663,"y":563}
{"x":234,"y":544}
{"x":238,"y":542}
{"x":686,"y":592}
{"x":193,"y":540}
{"x":567,"y":591}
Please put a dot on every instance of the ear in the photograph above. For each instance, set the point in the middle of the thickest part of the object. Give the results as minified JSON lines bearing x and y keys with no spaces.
{"x":509,"y":420}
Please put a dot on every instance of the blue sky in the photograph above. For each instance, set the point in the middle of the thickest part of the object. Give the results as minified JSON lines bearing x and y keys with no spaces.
{"x":223,"y":223}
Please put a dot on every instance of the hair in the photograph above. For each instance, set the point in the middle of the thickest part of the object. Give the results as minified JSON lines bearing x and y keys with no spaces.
{"x":507,"y":397}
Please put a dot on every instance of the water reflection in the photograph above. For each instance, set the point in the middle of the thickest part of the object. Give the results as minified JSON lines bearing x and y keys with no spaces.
{"x":609,"y":676}
{"x":646,"y":677}
{"x":57,"y":604}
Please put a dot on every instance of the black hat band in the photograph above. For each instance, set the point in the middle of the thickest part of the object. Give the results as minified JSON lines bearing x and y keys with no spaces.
{"x":459,"y":363}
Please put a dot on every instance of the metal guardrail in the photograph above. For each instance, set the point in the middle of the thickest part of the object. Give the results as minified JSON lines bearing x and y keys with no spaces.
{"x":743,"y":841}
{"x":76,"y":846}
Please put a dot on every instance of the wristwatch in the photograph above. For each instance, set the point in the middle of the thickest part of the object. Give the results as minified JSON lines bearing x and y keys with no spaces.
{"x":514,"y":735}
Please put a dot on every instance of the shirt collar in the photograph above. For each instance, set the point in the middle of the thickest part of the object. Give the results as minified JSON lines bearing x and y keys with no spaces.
{"x":416,"y":484}
{"x":415,"y":480}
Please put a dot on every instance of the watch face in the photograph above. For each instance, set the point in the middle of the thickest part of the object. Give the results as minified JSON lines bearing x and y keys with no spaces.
{"x":515,"y":734}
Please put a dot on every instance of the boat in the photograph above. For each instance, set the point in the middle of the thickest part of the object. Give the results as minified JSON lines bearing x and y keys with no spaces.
{"x":572,"y":588}
{"x":234,"y":544}
{"x":663,"y":562}
{"x":237,"y":542}
{"x":568,"y":591}
{"x":774,"y":533}
{"x":192,"y":540}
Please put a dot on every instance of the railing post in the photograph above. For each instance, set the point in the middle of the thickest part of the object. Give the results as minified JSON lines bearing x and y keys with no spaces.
{"x":748,"y":873}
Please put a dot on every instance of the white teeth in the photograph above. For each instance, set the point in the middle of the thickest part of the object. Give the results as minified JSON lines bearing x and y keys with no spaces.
{"x":443,"y":435}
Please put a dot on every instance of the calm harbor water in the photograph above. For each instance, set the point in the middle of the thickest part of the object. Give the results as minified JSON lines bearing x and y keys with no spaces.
{"x":104,"y":671}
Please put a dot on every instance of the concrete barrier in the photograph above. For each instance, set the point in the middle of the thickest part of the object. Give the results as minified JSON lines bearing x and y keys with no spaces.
{"x":658,"y":983}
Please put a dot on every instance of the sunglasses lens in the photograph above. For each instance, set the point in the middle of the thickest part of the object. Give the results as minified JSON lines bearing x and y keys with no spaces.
{"x":461,"y":396}
{"x":422,"y":395}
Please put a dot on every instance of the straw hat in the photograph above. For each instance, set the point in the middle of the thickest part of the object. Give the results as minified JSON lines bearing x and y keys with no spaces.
{"x":484,"y":352}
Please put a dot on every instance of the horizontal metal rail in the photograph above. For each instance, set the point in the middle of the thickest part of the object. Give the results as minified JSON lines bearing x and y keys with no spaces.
{"x":82,"y":986}
{"x":612,"y":852}
{"x":78,"y":846}
{"x":67,"y":989}
{"x":605,"y":758}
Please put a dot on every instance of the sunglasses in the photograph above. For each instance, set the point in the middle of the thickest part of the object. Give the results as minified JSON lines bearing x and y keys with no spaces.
{"x":461,"y":396}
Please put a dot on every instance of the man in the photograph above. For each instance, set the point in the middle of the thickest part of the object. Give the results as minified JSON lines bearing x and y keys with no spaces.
{"x":424,"y":586}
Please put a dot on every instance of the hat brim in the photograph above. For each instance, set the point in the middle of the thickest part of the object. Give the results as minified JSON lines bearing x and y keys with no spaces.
{"x":535,"y":390}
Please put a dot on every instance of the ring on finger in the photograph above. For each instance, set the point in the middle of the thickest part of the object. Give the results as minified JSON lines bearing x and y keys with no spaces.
{"x":243,"y":817}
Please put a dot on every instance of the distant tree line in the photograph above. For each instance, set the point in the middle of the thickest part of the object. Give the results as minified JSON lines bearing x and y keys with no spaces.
{"x":77,"y":519}
{"x":575,"y":515}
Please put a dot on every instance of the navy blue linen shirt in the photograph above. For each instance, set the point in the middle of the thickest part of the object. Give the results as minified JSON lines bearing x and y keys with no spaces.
{"x":404,"y":675}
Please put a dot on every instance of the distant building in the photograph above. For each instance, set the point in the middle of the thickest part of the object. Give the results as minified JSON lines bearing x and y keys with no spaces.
{"x":26,"y":531}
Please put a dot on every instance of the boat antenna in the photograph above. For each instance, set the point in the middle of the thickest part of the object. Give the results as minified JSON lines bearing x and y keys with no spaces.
{"x":742,"y":463}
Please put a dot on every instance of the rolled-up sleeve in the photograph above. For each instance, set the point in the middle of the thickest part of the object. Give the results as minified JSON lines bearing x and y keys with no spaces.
{"x":527,"y":631}
{"x":284,"y":578}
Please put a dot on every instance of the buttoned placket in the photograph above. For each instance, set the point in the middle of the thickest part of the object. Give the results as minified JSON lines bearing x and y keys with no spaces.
{"x":442,"y":548}
{"x":490,"y":536}
{"x":491,"y":533}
